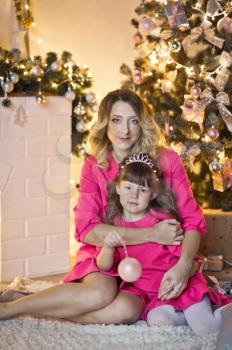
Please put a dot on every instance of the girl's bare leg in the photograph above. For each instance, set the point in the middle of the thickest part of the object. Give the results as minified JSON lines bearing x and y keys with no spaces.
{"x":125,"y":309}
{"x":65,"y":300}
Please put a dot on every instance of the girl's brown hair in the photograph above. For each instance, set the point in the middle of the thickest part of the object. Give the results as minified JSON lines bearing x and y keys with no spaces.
{"x":144,"y":175}
{"x":151,"y":139}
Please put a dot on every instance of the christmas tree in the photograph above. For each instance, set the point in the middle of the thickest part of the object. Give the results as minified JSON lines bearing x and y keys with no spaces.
{"x":183,"y":70}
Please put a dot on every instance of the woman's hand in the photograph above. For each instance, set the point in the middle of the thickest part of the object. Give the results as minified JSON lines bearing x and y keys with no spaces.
{"x":113,"y":239}
{"x":174,"y":281}
{"x":167,"y":232}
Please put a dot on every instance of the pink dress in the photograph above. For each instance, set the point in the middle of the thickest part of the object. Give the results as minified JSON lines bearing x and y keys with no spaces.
{"x":90,"y":209}
{"x":155,"y":260}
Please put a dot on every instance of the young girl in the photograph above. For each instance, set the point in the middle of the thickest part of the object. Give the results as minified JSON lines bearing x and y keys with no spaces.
{"x":138,"y":198}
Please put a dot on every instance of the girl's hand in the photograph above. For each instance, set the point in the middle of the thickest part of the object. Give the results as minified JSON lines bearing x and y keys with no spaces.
{"x":168,"y":231}
{"x":113,"y":239}
{"x":174,"y":281}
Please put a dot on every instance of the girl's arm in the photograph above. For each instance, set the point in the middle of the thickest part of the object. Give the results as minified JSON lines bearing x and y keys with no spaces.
{"x":105,"y":258}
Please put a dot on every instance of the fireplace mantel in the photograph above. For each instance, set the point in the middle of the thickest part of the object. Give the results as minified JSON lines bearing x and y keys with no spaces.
{"x":35,"y":143}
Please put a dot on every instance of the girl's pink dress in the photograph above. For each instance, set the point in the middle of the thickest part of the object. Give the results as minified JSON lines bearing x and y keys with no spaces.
{"x":90,"y":211}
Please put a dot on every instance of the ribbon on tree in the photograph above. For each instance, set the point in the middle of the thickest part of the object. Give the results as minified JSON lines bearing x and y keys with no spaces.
{"x":221,"y":100}
{"x":195,"y":114}
{"x":223,"y":72}
{"x":205,"y":33}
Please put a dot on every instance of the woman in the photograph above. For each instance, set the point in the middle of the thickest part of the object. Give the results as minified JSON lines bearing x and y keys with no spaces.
{"x":125,"y":124}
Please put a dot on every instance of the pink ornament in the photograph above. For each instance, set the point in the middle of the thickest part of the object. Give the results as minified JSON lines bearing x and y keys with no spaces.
{"x":224,"y":25}
{"x":137,"y":77}
{"x":195,"y":91}
{"x":213,"y":133}
{"x":129,"y":269}
{"x":146,"y":25}
{"x":137,"y":37}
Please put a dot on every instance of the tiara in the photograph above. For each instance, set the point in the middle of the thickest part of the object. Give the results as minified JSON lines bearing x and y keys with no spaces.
{"x":141,"y":158}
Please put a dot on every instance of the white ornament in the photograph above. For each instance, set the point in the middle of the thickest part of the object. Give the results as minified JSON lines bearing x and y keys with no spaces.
{"x":90,"y":97}
{"x":70,"y":95}
{"x":14,"y":77}
{"x":37,"y":71}
{"x":79,"y":109}
{"x":81,"y":126}
{"x":7,"y":86}
{"x":55,"y":66}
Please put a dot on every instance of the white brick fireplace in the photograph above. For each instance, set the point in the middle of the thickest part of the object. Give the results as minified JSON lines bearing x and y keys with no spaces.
{"x":35,"y":142}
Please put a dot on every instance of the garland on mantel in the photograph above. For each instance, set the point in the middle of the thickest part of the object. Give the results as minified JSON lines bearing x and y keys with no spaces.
{"x":38,"y":77}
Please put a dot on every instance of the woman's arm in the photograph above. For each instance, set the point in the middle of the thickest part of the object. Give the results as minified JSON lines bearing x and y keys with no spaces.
{"x":165,"y":232}
{"x":176,"y":278}
{"x":192,"y":221}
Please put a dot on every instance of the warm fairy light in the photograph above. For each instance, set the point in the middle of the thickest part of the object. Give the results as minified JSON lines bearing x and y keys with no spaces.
{"x":33,"y":24}
{"x":54,"y":85}
{"x":26,"y":7}
{"x":171,"y":128}
{"x":153,"y":57}
{"x":221,"y":155}
{"x":39,"y":41}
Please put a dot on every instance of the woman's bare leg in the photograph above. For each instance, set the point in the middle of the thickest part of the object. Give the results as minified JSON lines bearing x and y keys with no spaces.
{"x":125,"y":309}
{"x":65,"y":300}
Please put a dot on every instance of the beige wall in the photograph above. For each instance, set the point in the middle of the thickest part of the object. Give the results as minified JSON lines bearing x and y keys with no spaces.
{"x":97,"y":32}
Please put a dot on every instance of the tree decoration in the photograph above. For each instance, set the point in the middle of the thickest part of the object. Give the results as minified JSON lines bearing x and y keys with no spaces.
{"x":175,"y":45}
{"x":224,"y":25}
{"x":146,"y":25}
{"x":129,"y":269}
{"x":213,"y":133}
{"x":183,"y":69}
{"x":6,"y":103}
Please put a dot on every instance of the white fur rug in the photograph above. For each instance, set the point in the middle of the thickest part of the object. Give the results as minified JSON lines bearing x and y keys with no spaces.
{"x":27,"y":333}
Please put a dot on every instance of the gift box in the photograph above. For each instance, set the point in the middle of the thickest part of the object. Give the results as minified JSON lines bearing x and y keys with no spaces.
{"x":176,"y":16}
{"x":218,"y":239}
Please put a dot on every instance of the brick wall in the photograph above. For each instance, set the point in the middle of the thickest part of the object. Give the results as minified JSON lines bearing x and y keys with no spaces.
{"x":34,"y":187}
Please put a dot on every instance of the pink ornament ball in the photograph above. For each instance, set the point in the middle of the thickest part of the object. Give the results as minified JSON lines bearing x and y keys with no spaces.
{"x":213,"y":133}
{"x":129,"y":269}
{"x":195,"y":91}
{"x":146,"y":25}
{"x":224,"y":25}
{"x":137,"y":38}
{"x":137,"y":77}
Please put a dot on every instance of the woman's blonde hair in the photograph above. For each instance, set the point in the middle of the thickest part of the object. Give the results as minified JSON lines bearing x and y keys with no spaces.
{"x":151,"y":139}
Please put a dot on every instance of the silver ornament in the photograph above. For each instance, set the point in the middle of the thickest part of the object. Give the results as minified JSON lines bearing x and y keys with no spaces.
{"x":14,"y":77}
{"x":55,"y":66}
{"x":215,"y":166}
{"x":37,"y":71}
{"x":79,"y":109}
{"x":70,"y":95}
{"x":90,"y":97}
{"x":94,"y":108}
{"x":81,"y":126}
{"x":175,"y":46}
{"x":40,"y":98}
{"x":7,"y":86}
